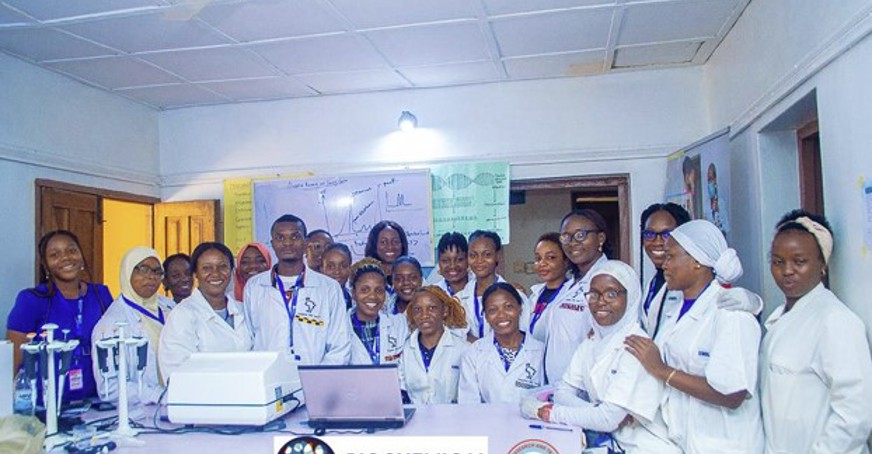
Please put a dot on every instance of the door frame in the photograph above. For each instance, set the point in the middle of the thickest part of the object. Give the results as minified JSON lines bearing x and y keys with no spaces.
{"x":100,"y":193}
{"x":619,"y":181}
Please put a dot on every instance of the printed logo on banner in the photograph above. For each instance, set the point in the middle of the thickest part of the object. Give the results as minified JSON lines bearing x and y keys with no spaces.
{"x":533,"y":447}
{"x":305,"y":445}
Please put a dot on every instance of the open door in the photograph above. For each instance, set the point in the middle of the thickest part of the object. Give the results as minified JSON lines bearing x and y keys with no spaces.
{"x":79,"y":213}
{"x":181,"y":226}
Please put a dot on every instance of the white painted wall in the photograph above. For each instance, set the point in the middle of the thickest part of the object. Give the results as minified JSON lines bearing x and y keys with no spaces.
{"x":54,"y":128}
{"x":778,"y":52}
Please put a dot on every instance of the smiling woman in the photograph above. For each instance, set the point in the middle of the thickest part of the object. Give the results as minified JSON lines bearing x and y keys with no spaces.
{"x":378,"y":337}
{"x":253,"y":258}
{"x":209,"y":320}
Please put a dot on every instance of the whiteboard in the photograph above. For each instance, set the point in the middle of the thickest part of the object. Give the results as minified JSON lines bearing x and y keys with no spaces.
{"x":348,"y":206}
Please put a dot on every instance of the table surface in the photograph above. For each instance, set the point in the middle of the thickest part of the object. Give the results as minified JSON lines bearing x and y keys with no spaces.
{"x":501,"y":423}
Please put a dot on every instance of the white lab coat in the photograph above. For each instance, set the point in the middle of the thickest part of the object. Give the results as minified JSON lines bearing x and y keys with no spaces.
{"x":816,"y":378}
{"x":438,"y":385}
{"x":193,"y":326}
{"x":722,"y":346}
{"x":616,"y":384}
{"x":661,"y":299}
{"x":563,"y":326}
{"x":393,"y":330}
{"x":467,"y":299}
{"x":107,"y":384}
{"x":321,"y":334}
{"x":483,"y":378}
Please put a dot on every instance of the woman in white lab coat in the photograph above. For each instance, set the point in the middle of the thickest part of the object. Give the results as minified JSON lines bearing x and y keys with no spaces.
{"x":709,"y":354}
{"x":430,"y":365}
{"x":209,"y":320}
{"x":604,"y":385}
{"x":815,"y":367}
{"x":506,"y":364}
{"x":145,"y":312}
{"x":485,"y":253}
{"x":376,"y":337}
{"x":551,"y":265}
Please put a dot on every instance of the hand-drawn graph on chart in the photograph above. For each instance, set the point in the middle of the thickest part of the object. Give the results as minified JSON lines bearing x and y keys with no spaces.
{"x":348,"y":207}
{"x":467,"y":197}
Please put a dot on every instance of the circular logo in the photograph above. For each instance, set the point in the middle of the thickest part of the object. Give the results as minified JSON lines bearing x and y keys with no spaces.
{"x":533,"y":447}
{"x":305,"y":445}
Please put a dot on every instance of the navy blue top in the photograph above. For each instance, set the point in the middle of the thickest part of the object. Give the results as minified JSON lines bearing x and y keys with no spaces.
{"x":34,"y":308}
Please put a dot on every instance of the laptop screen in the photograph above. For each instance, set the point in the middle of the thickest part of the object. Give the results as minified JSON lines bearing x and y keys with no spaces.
{"x":359,"y":392}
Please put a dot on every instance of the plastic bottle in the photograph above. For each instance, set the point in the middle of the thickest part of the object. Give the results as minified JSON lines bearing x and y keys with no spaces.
{"x":23,"y":395}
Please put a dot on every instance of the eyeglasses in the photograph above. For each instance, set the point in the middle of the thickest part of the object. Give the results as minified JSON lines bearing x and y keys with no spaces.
{"x":146,"y":270}
{"x":650,"y":235}
{"x":609,"y":295}
{"x":579,"y":236}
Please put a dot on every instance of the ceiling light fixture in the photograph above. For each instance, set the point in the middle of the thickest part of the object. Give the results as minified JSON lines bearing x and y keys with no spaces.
{"x":407,"y":121}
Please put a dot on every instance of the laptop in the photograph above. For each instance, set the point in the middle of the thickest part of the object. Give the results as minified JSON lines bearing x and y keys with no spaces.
{"x":354,"y":397}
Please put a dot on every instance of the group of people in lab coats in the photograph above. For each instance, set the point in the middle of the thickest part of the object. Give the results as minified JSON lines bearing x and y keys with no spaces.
{"x":679,"y":365}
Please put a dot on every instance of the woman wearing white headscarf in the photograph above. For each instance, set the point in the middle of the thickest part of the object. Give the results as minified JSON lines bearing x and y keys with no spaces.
{"x":605,"y":390}
{"x":709,"y":362}
{"x":144,"y":311}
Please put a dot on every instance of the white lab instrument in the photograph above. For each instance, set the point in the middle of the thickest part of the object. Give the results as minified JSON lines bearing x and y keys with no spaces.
{"x":119,"y":346}
{"x":239,"y":388}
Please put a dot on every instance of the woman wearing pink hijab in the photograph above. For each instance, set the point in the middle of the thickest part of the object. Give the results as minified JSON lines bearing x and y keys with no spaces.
{"x":252,"y":259}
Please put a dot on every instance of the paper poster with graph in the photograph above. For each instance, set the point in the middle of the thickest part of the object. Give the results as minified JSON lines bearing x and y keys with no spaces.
{"x":348,"y":206}
{"x":469,"y":197}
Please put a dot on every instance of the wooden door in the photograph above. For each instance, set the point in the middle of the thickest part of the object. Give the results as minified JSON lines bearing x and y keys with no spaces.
{"x":79,"y":213}
{"x":181,"y":226}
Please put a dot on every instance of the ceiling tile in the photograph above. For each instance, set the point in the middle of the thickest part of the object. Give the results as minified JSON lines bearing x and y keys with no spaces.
{"x":8,"y":16}
{"x":671,"y":21}
{"x":434,"y":76}
{"x":431,"y":44}
{"x":322,"y":54}
{"x":212,"y":64}
{"x":42,"y":43}
{"x":147,"y":32}
{"x":357,"y":81}
{"x":656,"y":54}
{"x":385,"y":13}
{"x":251,"y":89}
{"x":548,"y":33}
{"x":115,"y":72}
{"x":251,"y":21}
{"x":574,"y":64}
{"x":497,"y":7}
{"x":54,"y":9}
{"x":170,"y":96}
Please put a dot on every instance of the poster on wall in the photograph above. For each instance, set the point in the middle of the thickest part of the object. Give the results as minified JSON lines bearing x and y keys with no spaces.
{"x":348,"y":206}
{"x":471,"y":196}
{"x":698,"y":178}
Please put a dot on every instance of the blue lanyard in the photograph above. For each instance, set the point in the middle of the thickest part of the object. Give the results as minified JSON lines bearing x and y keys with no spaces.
{"x":373,"y":350}
{"x":506,"y":363}
{"x":290,"y":306}
{"x":347,"y":298}
{"x":78,"y":317}
{"x":542,"y":304}
{"x":478,"y":312}
{"x":146,"y":312}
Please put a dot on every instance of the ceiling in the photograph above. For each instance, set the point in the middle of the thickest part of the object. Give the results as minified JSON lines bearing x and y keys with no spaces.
{"x":178,"y":53}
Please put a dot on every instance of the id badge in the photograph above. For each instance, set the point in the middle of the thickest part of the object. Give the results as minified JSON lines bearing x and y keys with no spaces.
{"x":77,"y":382}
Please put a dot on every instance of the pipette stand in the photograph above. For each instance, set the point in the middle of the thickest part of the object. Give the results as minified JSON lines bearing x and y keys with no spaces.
{"x":124,"y":435}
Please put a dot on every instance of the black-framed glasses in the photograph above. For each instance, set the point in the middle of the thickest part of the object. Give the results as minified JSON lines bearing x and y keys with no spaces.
{"x":650,"y":235}
{"x":578,"y":236}
{"x":609,"y":295}
{"x":146,"y":270}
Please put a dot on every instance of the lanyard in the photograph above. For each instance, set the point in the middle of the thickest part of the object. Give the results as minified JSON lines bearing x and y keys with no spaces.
{"x":146,"y":312}
{"x":653,"y":288}
{"x":507,"y":363}
{"x":347,"y":298}
{"x":373,"y":350}
{"x":542,"y":304}
{"x":478,"y":313}
{"x":78,"y":316}
{"x":290,"y":302}
{"x":688,"y":303}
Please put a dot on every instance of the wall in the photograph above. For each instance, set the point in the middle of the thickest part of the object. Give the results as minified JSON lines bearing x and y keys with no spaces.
{"x":779,"y":52}
{"x":54,"y":128}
